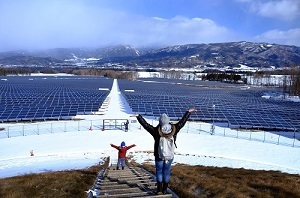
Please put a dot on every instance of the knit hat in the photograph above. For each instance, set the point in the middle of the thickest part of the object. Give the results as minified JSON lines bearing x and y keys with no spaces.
{"x":164,"y":123}
{"x":122,"y":144}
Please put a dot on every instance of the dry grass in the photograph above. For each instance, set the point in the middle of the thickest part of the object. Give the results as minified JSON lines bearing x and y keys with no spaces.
{"x":186,"y":181}
{"x":71,"y":183}
{"x":204,"y":182}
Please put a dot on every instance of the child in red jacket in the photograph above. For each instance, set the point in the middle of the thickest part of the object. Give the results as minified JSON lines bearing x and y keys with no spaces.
{"x":122,"y":153}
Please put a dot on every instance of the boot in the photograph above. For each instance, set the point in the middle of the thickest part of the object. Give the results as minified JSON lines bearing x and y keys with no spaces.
{"x":164,"y":187}
{"x":158,"y":188}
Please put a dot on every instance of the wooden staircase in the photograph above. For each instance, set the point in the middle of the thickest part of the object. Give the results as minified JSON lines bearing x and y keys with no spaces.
{"x":130,"y":182}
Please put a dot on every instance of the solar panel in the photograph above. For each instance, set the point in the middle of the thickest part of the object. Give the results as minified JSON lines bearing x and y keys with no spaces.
{"x":240,"y":108}
{"x":30,"y":98}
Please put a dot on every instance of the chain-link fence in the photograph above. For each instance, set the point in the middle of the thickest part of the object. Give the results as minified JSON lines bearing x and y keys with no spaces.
{"x":21,"y":129}
{"x":281,"y":138}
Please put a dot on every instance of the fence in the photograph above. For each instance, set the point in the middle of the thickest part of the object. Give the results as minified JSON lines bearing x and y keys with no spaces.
{"x":19,"y":129}
{"x":279,"y":137}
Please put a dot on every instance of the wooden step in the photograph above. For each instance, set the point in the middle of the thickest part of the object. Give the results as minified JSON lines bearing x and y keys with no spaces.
{"x":130,"y":182}
{"x":137,"y":194}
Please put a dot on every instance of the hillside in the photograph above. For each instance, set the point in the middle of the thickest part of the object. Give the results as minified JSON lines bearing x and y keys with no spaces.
{"x":29,"y":60}
{"x":233,"y":54}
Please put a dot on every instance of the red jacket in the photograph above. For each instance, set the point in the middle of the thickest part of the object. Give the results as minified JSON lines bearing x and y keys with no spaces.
{"x":122,"y":150}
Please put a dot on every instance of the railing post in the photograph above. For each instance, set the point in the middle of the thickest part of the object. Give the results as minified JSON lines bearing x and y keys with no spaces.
{"x":78,"y":125}
{"x":8,"y":132}
{"x":200,"y":129}
{"x":264,"y":136}
{"x":103,"y":126}
{"x":37,"y":128}
{"x":23,"y":130}
{"x":294,"y":137}
{"x":250,"y":134}
{"x":51,"y":128}
{"x":278,"y":139}
{"x":65,"y":127}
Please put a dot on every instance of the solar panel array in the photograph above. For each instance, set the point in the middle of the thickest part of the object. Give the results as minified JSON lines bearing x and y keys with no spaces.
{"x":240,"y":107}
{"x":34,"y":98}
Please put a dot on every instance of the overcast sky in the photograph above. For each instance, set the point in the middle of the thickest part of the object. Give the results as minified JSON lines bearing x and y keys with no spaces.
{"x":40,"y":24}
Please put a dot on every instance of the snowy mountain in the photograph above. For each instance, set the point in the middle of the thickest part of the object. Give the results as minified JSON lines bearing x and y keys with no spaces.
{"x":229,"y":54}
{"x":185,"y":56}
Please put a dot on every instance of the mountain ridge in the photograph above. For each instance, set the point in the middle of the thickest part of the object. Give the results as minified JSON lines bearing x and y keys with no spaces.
{"x":188,"y":55}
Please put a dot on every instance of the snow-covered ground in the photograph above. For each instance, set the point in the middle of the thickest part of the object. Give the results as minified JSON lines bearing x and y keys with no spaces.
{"x":84,"y":148}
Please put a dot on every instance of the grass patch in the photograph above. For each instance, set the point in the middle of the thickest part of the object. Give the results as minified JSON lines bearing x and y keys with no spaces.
{"x":186,"y":181}
{"x":71,"y":183}
{"x":206,"y":182}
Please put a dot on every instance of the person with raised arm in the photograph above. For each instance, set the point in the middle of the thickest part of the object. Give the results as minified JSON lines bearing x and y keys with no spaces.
{"x":122,"y":149}
{"x":164,"y":135}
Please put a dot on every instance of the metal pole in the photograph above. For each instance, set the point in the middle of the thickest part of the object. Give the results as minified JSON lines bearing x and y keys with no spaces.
{"x":51,"y":128}
{"x":200,"y":129}
{"x":65,"y":127}
{"x":23,"y":130}
{"x":213,"y":121}
{"x":37,"y":127}
{"x":8,"y":132}
{"x":294,"y":137}
{"x":294,"y":133}
{"x":103,"y":125}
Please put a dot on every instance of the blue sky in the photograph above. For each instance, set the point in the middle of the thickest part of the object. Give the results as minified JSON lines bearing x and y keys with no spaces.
{"x":37,"y":24}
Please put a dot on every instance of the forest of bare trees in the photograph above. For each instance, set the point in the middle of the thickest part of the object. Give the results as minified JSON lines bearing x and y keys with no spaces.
{"x":222,"y":77}
{"x":288,"y":80}
{"x":130,"y":75}
{"x":294,"y":82}
{"x":86,"y":72}
{"x":14,"y":71}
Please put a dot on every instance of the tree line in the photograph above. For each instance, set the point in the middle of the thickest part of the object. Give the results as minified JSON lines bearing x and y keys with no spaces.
{"x":129,"y":75}
{"x":85,"y":72}
{"x":222,"y":77}
{"x":14,"y":71}
{"x":294,"y":85}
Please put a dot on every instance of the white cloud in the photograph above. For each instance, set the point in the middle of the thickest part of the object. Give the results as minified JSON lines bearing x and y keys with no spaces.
{"x":290,"y":37}
{"x":182,"y":30}
{"x":279,"y":9}
{"x":50,"y":24}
